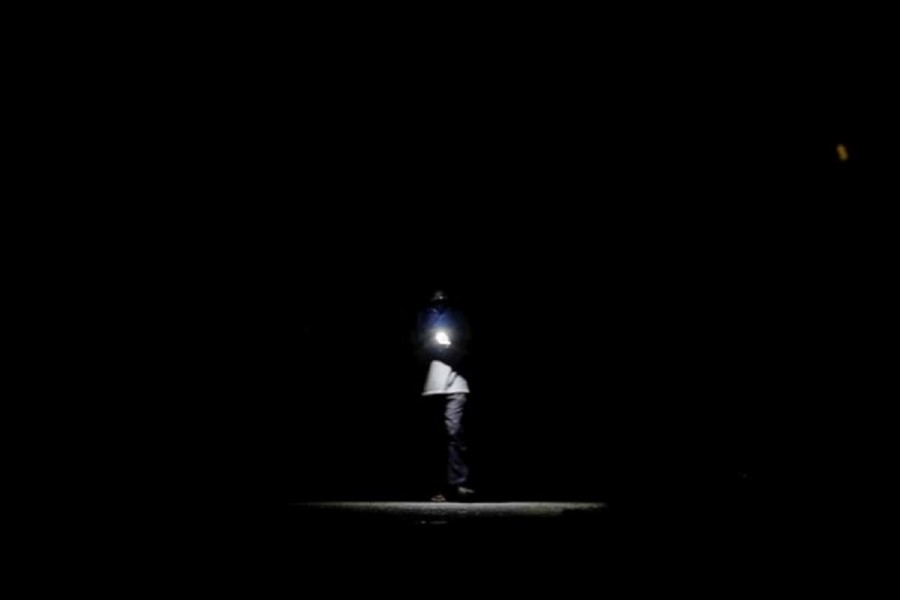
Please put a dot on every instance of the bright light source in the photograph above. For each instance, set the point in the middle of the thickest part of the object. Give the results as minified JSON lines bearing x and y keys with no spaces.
{"x":442,"y":338}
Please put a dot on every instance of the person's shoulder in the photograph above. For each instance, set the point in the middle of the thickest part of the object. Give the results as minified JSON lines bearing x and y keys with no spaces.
{"x":458,"y":316}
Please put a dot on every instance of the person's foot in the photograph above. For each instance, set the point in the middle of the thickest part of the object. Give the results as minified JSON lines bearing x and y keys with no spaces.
{"x":438,"y":498}
{"x":462,"y":493}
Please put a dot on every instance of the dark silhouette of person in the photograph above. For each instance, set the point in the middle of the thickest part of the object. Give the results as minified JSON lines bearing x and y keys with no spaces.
{"x":443,"y":340}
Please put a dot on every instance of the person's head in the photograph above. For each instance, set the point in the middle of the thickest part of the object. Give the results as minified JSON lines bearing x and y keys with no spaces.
{"x":439,"y":298}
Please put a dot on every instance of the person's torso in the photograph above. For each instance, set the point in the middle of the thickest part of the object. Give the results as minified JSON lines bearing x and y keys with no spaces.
{"x":442,"y":379}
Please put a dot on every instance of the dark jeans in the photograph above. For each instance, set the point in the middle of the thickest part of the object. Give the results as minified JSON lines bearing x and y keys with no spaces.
{"x":457,"y":467}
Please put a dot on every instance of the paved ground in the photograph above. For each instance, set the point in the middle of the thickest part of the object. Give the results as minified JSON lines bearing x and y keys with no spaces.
{"x":448,"y":545}
{"x":433,"y":512}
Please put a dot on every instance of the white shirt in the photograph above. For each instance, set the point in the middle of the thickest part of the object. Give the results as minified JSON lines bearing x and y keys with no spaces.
{"x":442,"y":379}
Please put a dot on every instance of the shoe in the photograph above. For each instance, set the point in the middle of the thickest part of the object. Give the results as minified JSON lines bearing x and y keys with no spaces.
{"x":438,"y":498}
{"x":463,"y":494}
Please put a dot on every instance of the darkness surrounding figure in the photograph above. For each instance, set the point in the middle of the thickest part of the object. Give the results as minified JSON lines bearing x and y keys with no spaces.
{"x":443,"y":339}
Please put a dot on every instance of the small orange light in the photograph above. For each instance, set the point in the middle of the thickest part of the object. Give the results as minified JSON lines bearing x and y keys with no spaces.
{"x":842,"y":153}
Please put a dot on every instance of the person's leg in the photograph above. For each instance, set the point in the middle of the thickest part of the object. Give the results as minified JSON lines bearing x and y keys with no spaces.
{"x":457,"y":468}
{"x":436,"y":447}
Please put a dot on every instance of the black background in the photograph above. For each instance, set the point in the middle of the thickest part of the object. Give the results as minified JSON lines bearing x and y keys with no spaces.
{"x":665,"y":265}
{"x":673,"y":283}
